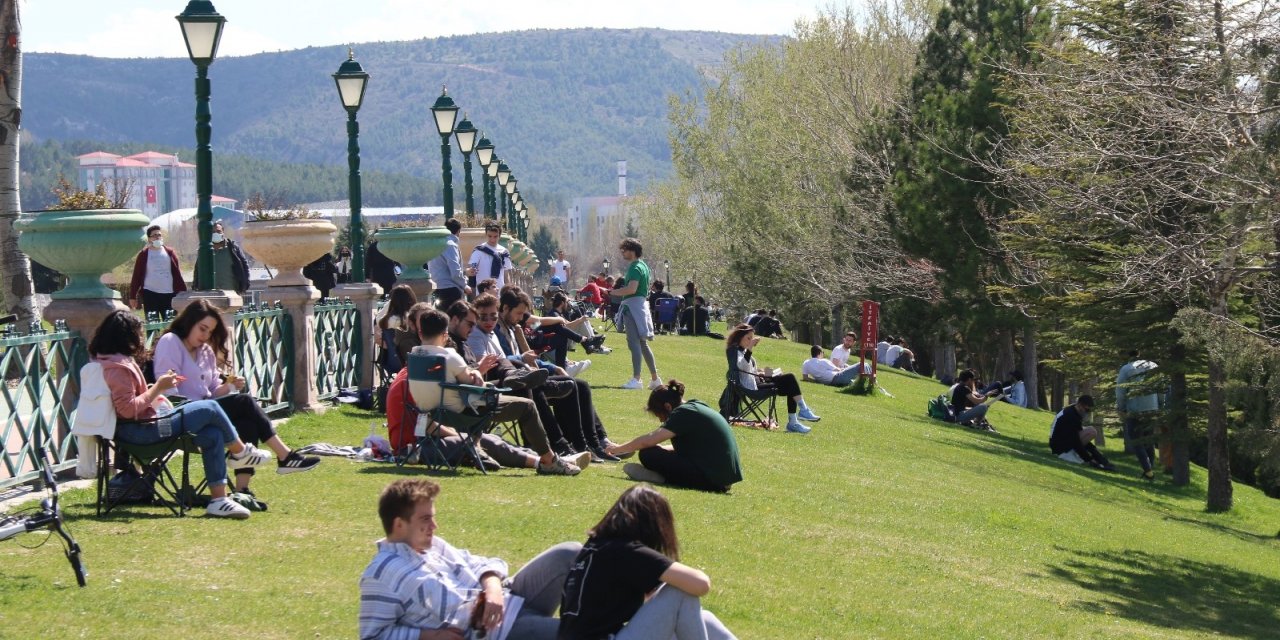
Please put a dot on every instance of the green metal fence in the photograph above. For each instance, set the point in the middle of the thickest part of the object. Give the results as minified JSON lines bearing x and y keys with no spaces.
{"x":338,"y":343}
{"x":155,"y":324}
{"x":264,"y":354}
{"x":40,"y":392}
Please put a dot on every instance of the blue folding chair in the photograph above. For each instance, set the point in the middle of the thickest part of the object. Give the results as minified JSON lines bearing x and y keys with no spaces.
{"x":665,"y":316}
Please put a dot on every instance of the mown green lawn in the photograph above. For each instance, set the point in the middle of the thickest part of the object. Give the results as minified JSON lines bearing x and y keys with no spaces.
{"x":880,"y":524}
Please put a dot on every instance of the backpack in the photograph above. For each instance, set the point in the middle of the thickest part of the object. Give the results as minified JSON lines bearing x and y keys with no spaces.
{"x":940,"y":409}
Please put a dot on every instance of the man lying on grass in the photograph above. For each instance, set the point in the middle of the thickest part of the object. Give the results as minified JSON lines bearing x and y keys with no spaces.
{"x":419,"y":586}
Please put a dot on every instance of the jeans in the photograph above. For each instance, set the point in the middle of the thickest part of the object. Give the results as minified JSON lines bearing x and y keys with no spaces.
{"x":541,"y":583}
{"x":205,"y":421}
{"x":673,"y":613}
{"x":525,"y":412}
{"x":846,"y":375}
{"x":973,"y":412}
{"x":1137,"y":438}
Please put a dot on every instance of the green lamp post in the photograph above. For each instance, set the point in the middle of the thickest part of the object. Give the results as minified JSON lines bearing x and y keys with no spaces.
{"x":510,"y":189}
{"x":465,"y":133}
{"x":491,"y":202}
{"x":202,"y":30}
{"x":484,"y":155}
{"x":352,"y":80}
{"x":504,"y":174}
{"x":524,"y":224}
{"x":445,"y":112}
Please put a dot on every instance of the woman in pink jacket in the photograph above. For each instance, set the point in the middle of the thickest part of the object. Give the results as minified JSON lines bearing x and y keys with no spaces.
{"x":118,"y":345}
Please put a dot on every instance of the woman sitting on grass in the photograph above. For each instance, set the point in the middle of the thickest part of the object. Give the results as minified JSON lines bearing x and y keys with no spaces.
{"x":739,"y":345}
{"x":195,"y":346}
{"x":704,"y":454}
{"x":118,"y":344}
{"x":627,"y":582}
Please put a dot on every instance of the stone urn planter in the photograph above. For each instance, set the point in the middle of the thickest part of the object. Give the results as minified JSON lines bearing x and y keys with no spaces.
{"x":288,"y":245}
{"x":468,"y":238}
{"x":412,"y":247}
{"x":83,"y":245}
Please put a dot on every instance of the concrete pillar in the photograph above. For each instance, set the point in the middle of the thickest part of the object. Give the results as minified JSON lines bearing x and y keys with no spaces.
{"x":300,"y":302}
{"x":422,"y":288}
{"x":82,"y":314}
{"x":365,"y":295}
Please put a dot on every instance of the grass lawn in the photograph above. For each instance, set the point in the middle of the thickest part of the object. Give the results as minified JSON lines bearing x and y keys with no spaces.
{"x":880,"y":524}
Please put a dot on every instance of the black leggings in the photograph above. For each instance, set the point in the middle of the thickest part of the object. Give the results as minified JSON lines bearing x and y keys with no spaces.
{"x":785,"y":386}
{"x":677,"y":469}
{"x":250,"y":421}
{"x":577,"y":415}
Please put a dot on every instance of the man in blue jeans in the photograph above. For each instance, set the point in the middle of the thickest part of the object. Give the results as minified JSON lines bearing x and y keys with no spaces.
{"x":820,"y":369}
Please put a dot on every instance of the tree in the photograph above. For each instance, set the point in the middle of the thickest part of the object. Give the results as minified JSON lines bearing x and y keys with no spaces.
{"x":15,"y":267}
{"x":544,"y":246}
{"x":1136,"y":147}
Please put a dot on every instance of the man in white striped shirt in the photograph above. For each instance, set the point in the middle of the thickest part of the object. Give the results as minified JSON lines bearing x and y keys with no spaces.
{"x":420,"y":587}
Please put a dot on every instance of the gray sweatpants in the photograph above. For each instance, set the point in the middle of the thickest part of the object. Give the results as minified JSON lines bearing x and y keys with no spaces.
{"x":674,"y":614}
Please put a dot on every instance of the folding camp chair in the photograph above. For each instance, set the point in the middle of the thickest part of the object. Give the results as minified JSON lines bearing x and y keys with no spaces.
{"x":155,"y":481}
{"x":750,"y":406}
{"x":665,"y":316}
{"x":427,"y":384}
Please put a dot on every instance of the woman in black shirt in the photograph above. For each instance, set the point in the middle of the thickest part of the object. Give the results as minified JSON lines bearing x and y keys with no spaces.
{"x":630,"y":555}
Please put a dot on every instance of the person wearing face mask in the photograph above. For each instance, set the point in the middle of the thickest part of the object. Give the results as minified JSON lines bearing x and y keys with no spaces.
{"x":156,"y":276}
{"x":230,"y":268}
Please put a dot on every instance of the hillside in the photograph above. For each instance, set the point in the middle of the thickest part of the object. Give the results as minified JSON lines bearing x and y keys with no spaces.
{"x":880,"y":524}
{"x":560,"y":105}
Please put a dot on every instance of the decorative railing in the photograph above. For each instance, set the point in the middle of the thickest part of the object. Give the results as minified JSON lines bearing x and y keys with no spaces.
{"x":40,"y":393}
{"x":264,"y":354}
{"x":155,"y":324}
{"x":338,"y":340}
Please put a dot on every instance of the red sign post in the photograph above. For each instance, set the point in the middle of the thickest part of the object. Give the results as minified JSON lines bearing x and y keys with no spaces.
{"x":870,"y":329}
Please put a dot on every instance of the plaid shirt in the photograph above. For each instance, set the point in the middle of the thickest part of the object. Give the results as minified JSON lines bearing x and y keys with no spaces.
{"x":403,"y":592}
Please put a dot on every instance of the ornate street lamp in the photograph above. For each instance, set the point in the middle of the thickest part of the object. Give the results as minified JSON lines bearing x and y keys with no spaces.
{"x":667,"y":265}
{"x":445,"y":112}
{"x":510,"y":188}
{"x":351,"y":80}
{"x":524,"y":224}
{"x":465,"y":133}
{"x":202,"y":31}
{"x":491,"y":206}
{"x":484,"y":154}
{"x":504,"y":174}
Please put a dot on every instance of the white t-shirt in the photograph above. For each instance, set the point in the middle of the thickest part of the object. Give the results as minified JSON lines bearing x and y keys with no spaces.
{"x":820,"y":369}
{"x":159,"y":275}
{"x":891,"y":354}
{"x":560,"y":269}
{"x":483,"y":264}
{"x":454,"y":366}
{"x":882,"y":350}
{"x":840,"y":355}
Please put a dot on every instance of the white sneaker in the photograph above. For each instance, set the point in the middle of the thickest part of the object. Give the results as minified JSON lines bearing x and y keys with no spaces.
{"x":633,"y":383}
{"x":250,"y":457}
{"x":226,"y":508}
{"x":655,"y":383}
{"x":574,"y":368}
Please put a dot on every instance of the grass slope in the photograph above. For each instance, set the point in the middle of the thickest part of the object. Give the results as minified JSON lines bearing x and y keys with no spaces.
{"x":881,"y":524}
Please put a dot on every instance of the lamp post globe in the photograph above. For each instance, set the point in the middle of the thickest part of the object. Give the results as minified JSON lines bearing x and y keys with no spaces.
{"x":465,"y":134}
{"x":351,"y":81}
{"x":446,"y":113}
{"x":202,"y":32}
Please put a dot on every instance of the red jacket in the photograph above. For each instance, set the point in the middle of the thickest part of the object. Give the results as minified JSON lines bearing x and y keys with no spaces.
{"x":140,"y":273}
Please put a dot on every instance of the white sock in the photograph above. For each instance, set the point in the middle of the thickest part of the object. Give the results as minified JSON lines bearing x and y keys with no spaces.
{"x":791,"y":418}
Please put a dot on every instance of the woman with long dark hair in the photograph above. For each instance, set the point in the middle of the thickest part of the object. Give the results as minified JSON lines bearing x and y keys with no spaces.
{"x":394,"y":318}
{"x":628,"y":583}
{"x":738,"y":346}
{"x":195,"y":346}
{"x":144,"y":417}
{"x":704,"y":453}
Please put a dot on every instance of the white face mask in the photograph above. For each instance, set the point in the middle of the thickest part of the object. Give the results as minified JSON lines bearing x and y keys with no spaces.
{"x":158,"y":243}
{"x":217,"y":237}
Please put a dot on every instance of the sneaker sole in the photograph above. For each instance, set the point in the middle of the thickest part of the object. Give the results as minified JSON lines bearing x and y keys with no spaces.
{"x":284,"y":471}
{"x":640,"y":473}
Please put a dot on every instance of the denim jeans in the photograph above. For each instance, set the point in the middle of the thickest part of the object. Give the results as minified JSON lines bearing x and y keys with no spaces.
{"x":973,"y":412}
{"x":673,"y":613}
{"x":204,"y":420}
{"x":1137,"y":434}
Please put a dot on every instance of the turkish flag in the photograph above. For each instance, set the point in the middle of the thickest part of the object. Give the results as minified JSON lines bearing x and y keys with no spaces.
{"x":151,"y":194}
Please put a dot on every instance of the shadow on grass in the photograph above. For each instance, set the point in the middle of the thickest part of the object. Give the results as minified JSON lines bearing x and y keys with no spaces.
{"x":419,"y":470}
{"x":1126,"y":477}
{"x":1175,"y":593}
{"x":1247,"y":536}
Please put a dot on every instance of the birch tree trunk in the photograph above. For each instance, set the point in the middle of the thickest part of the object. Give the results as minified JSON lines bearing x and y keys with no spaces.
{"x":15,"y":268}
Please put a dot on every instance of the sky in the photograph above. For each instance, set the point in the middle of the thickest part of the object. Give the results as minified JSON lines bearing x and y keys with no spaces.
{"x":146,"y":28}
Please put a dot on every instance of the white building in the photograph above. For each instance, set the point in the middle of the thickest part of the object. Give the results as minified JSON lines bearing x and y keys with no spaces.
{"x":157,"y":183}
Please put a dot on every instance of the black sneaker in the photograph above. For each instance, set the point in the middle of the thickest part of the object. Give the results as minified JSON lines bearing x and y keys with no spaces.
{"x":598,"y":454}
{"x":296,"y":463}
{"x":563,"y":449}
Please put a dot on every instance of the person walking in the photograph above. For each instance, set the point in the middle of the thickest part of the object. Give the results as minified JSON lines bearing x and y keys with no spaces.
{"x":1138,"y":408}
{"x":156,"y":275}
{"x":230,"y":267}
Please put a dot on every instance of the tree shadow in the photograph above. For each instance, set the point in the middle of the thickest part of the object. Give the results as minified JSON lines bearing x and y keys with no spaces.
{"x":1241,"y":534}
{"x":1175,"y":593}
